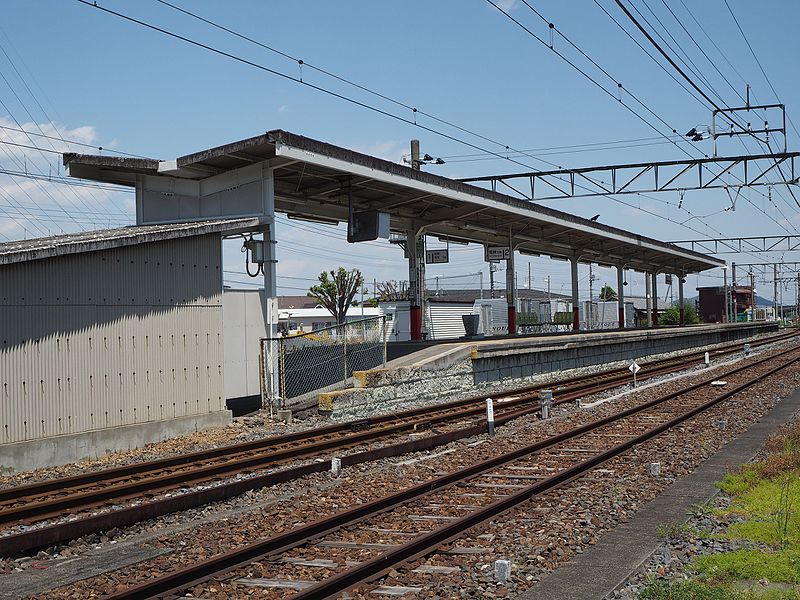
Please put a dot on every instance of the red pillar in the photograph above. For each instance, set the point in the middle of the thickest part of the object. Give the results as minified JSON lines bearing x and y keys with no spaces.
{"x":416,"y":323}
{"x":576,"y":318}
{"x":512,"y":320}
{"x":622,"y":317}
{"x":655,"y":315}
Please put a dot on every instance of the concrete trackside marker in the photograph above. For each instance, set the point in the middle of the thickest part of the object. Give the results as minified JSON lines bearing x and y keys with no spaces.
{"x":490,"y":415}
{"x":502,"y":570}
{"x":336,"y":466}
{"x":546,"y":403}
{"x":707,"y":360}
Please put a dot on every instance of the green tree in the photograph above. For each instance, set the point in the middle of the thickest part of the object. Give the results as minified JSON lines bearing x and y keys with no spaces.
{"x":336,"y":290}
{"x":607,"y":293}
{"x":672,"y":316}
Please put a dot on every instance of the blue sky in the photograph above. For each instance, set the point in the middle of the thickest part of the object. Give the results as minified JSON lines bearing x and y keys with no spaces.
{"x":71,"y":71}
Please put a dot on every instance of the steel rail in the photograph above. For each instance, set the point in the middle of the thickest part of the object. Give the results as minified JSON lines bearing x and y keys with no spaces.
{"x":40,"y":537}
{"x":424,"y":544}
{"x":138,"y":469}
{"x":179,"y":580}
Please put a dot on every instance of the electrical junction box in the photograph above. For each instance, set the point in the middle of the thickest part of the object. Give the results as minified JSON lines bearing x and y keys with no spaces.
{"x":256,"y":248}
{"x":368,"y":225}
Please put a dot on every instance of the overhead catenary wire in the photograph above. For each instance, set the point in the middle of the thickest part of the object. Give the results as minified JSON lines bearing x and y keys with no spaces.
{"x":289,"y":77}
{"x":696,"y":98}
{"x":405,"y":105}
{"x":758,"y":62}
{"x":101,"y":206}
{"x":733,"y":117}
{"x":302,"y":82}
{"x":669,"y":59}
{"x":595,"y":82}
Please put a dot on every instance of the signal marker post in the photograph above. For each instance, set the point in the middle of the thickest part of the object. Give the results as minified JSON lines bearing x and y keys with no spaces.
{"x":634,"y":368}
{"x":490,"y":415}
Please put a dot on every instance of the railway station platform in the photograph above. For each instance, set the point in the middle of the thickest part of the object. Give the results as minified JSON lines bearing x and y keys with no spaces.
{"x":449,"y":368}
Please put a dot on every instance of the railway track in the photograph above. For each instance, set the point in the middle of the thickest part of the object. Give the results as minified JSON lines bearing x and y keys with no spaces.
{"x":103,"y":491}
{"x":359,"y":545}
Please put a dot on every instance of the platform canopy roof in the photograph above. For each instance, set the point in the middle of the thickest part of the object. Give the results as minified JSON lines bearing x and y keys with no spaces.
{"x":316,"y":181}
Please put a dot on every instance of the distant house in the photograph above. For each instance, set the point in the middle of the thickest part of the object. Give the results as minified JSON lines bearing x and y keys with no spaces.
{"x":444,"y":309}
{"x":712,"y":302}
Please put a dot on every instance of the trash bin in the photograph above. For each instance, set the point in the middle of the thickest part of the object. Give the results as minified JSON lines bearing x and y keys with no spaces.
{"x":470,"y":324}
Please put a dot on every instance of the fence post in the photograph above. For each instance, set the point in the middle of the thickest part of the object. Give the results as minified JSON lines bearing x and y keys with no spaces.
{"x":282,"y":372}
{"x":383,"y":328}
{"x":262,"y":375}
{"x":344,"y":345}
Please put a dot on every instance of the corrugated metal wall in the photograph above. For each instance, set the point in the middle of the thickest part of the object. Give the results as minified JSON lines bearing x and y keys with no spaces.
{"x":115,"y":337}
{"x":444,"y":320}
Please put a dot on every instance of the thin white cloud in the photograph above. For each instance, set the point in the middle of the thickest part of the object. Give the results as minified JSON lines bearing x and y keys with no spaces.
{"x":35,"y":207}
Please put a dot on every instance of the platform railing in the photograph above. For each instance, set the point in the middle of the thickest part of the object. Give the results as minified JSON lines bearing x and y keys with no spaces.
{"x":300,"y":366}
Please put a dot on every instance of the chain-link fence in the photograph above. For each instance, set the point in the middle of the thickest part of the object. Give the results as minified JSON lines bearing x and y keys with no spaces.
{"x":300,"y":366}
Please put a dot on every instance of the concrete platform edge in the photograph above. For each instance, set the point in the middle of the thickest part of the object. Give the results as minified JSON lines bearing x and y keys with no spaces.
{"x":604,"y":567}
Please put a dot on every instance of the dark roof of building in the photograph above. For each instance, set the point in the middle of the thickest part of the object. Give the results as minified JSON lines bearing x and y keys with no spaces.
{"x":104,"y":239}
{"x":296,"y":302}
{"x":311,"y":177}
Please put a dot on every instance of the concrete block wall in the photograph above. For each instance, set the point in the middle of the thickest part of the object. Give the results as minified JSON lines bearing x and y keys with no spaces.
{"x":457,"y":373}
{"x":498,"y":364}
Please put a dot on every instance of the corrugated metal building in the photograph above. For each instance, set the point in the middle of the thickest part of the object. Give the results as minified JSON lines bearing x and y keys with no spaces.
{"x":110,"y":339}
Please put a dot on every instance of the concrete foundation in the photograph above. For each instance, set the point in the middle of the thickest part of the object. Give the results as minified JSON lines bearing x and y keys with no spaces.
{"x":63,"y":449}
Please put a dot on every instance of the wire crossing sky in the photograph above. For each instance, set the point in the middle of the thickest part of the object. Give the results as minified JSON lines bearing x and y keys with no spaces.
{"x":491,"y":86}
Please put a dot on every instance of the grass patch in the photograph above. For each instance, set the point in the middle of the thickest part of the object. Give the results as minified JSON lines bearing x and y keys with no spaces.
{"x":698,"y":590}
{"x":751,"y":564}
{"x":684,"y":590}
{"x":765,"y":496}
{"x":770,"y":507}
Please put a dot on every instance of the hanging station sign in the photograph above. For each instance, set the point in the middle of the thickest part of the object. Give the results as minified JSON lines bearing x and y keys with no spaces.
{"x":437,"y":257}
{"x":492,"y":253}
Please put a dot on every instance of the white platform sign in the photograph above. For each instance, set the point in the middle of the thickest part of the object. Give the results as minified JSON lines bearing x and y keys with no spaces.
{"x":437,"y":257}
{"x":496,"y":253}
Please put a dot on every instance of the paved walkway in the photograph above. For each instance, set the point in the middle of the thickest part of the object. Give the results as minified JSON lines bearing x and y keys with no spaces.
{"x":598,"y":571}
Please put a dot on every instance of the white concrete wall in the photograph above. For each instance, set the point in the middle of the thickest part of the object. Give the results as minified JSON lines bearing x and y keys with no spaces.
{"x":243,"y":327}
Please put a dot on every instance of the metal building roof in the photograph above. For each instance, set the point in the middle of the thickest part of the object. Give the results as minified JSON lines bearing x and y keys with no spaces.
{"x":103,"y":239}
{"x":314,"y":179}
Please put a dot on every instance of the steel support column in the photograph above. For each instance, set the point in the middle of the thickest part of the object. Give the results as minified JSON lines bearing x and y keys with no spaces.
{"x":648,"y":284}
{"x":269,"y":306}
{"x":415,"y":247}
{"x":681,"y":309}
{"x":576,"y":318}
{"x":655,"y":298}
{"x":511,"y":291}
{"x":621,"y":295}
{"x":727,"y":295}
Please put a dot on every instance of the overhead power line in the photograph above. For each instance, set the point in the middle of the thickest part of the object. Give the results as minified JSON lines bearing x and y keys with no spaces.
{"x":299,"y":80}
{"x":71,"y":142}
{"x":758,"y":62}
